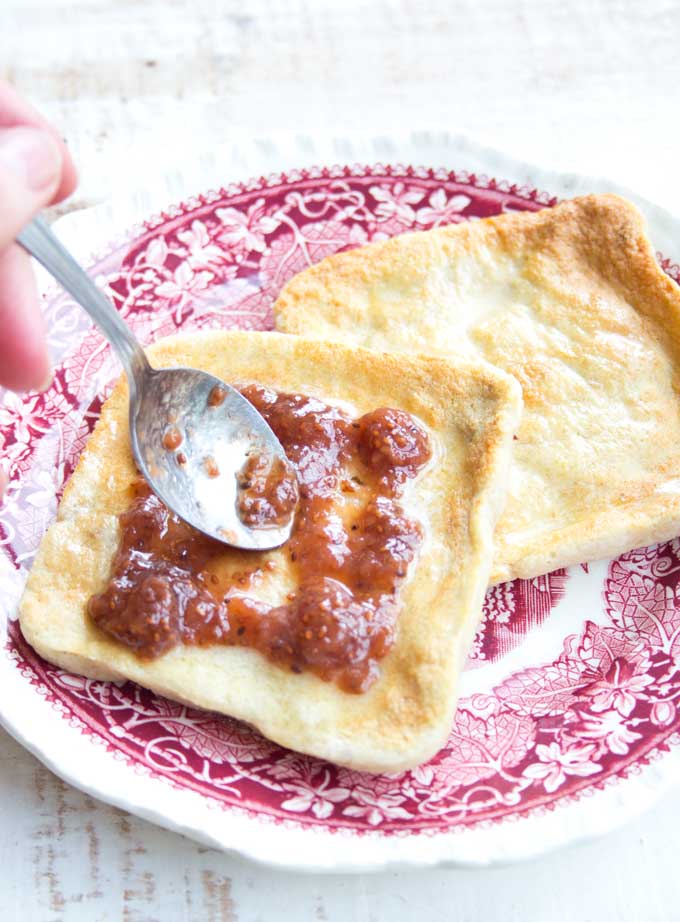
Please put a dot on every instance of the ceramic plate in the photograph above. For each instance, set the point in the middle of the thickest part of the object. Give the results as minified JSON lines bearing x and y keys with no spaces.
{"x":567,"y":721}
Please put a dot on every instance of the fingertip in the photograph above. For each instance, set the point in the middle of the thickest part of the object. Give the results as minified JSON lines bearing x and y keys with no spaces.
{"x":24,"y":359}
{"x":16,"y":112}
{"x":69,"y":173}
{"x":29,"y":368}
{"x":32,"y":159}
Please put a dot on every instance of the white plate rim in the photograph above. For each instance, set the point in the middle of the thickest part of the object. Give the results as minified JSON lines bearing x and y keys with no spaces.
{"x":78,"y":760}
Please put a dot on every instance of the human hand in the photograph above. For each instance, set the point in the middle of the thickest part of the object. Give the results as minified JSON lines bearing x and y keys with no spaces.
{"x":35,"y":170}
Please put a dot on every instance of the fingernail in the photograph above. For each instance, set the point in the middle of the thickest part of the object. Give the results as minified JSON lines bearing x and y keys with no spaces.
{"x":32,"y":155}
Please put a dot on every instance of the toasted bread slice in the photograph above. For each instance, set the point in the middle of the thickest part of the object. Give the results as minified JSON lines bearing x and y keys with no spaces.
{"x":469,"y":411}
{"x":571,"y":302}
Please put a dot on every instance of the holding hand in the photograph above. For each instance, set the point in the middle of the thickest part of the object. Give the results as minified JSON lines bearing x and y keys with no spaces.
{"x":35,"y":170}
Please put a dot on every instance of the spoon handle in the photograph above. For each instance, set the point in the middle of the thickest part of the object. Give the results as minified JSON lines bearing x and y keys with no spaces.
{"x":40,"y":242}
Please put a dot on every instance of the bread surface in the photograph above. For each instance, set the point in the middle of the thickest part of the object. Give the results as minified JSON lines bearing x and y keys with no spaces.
{"x":570,"y":301}
{"x":470,"y":412}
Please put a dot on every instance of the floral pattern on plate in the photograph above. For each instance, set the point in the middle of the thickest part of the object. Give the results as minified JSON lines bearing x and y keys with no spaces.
{"x":556,"y":699}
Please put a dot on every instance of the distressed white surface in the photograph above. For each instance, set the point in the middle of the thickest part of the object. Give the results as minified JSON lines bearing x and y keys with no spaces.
{"x":592,"y":87}
{"x":65,"y":857}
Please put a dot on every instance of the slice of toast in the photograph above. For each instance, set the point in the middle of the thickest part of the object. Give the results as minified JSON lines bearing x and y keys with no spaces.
{"x":469,"y":412}
{"x":570,"y":301}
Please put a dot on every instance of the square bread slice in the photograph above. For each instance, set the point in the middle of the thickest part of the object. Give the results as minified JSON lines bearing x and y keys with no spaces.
{"x":470,"y":412}
{"x":570,"y":301}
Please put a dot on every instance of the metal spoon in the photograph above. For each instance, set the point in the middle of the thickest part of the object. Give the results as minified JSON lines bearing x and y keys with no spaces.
{"x":217,"y":426}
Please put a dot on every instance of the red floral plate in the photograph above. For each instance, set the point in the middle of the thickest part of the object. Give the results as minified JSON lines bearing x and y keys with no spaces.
{"x":567,"y":720}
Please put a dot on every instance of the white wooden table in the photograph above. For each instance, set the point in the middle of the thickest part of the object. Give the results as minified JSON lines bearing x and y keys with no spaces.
{"x":586,"y":85}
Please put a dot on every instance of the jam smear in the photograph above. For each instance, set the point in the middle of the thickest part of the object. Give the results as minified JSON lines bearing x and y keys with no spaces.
{"x":268,"y":491}
{"x":350,"y":550}
{"x":172,"y":438}
{"x":217,"y":396}
{"x":210,"y":467}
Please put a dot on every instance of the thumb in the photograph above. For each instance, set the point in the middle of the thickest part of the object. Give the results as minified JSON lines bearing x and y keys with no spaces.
{"x":30,"y":172}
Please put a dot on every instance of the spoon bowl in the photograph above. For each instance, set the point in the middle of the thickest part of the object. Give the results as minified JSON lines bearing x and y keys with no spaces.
{"x":192,"y":435}
{"x":192,"y":448}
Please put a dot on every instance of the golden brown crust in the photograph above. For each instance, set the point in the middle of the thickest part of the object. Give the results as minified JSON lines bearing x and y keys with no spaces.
{"x":571,"y":302}
{"x":470,"y":411}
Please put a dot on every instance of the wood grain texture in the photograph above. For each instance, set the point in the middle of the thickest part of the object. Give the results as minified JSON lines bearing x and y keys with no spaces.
{"x":578,"y":85}
{"x":67,"y":858}
{"x":585,"y":85}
